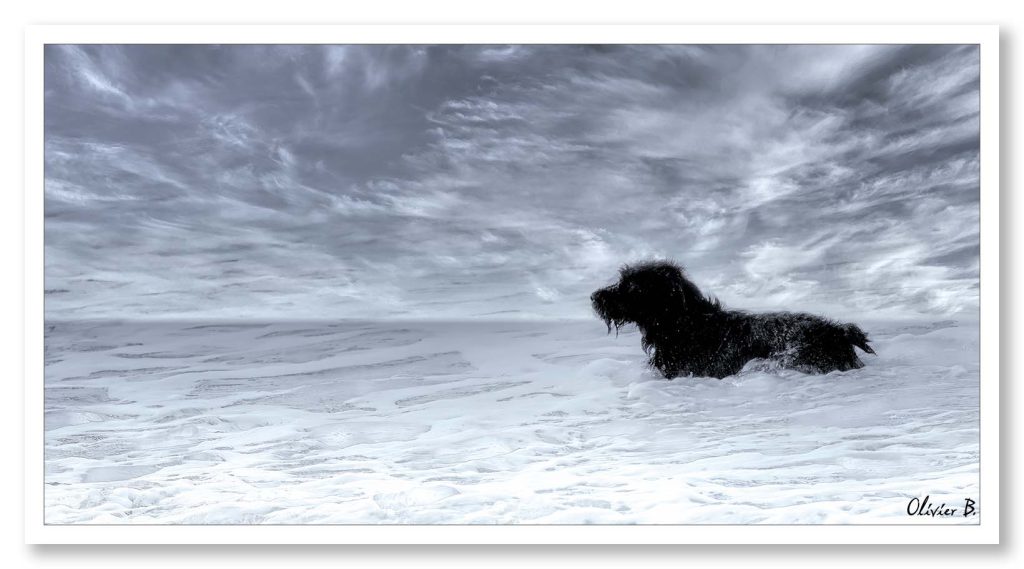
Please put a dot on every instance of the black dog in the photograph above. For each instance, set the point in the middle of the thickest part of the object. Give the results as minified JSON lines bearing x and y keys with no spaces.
{"x":686,"y":333}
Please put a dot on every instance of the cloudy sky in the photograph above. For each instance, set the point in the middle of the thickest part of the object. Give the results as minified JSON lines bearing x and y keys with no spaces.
{"x":506,"y":181}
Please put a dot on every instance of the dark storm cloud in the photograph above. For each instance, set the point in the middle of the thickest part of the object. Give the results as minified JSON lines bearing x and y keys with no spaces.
{"x":459,"y":181}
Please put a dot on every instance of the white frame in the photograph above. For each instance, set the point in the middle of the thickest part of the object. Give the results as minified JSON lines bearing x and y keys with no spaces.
{"x":987,"y":532}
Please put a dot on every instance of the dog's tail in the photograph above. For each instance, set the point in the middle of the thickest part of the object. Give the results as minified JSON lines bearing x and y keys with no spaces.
{"x":858,"y":338}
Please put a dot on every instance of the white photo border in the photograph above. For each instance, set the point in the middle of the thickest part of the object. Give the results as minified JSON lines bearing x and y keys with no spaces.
{"x":986,"y":532}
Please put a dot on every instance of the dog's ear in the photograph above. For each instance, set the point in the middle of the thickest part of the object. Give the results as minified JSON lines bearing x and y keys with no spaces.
{"x":682,"y":290}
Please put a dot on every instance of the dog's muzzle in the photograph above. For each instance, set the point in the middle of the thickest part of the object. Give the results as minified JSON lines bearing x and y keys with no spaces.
{"x":599,"y":300}
{"x":606,"y":307}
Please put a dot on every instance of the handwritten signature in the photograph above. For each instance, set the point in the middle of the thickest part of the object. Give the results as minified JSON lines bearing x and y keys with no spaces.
{"x":924,"y":507}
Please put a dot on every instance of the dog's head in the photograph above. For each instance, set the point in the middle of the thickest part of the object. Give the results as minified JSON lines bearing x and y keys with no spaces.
{"x":644,"y":293}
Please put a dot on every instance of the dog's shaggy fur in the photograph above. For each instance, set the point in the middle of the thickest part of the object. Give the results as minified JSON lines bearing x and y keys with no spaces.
{"x":687,"y":333}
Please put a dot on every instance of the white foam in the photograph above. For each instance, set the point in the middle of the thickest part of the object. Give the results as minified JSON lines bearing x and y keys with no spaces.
{"x":492,"y":423}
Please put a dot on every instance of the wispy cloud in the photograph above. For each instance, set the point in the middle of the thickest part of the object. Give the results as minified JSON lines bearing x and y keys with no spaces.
{"x":472,"y":181}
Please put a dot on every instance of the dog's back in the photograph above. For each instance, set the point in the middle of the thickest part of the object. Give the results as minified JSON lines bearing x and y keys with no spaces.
{"x":810,"y":343}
